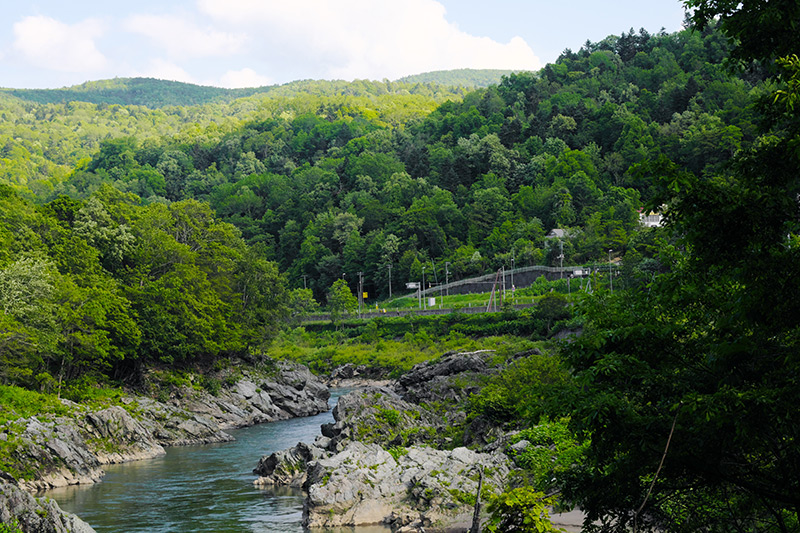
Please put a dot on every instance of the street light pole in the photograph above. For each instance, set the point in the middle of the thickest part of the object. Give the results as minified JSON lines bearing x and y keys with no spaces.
{"x":390,"y":281}
{"x":360,"y":292}
{"x":610,"y":275}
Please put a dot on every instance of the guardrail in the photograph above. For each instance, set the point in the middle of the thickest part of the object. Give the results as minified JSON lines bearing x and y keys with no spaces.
{"x":403,"y":312}
{"x":522,"y":277}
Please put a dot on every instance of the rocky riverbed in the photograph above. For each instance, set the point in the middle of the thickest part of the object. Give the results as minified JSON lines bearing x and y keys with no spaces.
{"x":393,"y":456}
{"x":54,"y":451}
{"x":20,"y":509}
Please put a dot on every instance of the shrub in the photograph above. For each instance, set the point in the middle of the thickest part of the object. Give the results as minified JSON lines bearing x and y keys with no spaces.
{"x":397,"y":452}
{"x":522,"y":509}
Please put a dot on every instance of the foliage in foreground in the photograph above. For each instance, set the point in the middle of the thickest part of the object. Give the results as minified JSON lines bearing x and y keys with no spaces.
{"x":522,"y":510}
{"x":689,"y":388}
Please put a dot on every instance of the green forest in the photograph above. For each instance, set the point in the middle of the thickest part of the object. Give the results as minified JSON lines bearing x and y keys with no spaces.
{"x":333,"y":178}
{"x":137,"y":231}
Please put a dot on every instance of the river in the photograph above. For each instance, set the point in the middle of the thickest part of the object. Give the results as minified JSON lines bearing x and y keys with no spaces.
{"x":206,"y":488}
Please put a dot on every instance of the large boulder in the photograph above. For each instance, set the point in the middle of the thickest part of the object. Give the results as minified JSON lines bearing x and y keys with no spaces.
{"x":451,"y":379}
{"x":378,"y":415}
{"x":364,"y":484}
{"x":296,"y":391}
{"x":289,"y":467}
{"x":36,"y":515}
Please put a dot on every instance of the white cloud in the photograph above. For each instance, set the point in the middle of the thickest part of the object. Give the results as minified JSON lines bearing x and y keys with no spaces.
{"x":49,"y":43}
{"x":182,"y":39}
{"x":247,"y":77}
{"x":165,"y":70}
{"x":366,"y":39}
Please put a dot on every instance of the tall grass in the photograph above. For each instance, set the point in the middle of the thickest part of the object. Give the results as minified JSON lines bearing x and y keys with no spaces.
{"x":322,"y":352}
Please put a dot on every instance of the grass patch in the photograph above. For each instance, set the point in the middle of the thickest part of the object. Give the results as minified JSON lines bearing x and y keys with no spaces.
{"x":16,"y":403}
{"x":324,"y":351}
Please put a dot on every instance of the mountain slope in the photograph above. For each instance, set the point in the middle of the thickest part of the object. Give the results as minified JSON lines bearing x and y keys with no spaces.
{"x":134,"y":91}
{"x":464,"y":77}
{"x":154,"y":93}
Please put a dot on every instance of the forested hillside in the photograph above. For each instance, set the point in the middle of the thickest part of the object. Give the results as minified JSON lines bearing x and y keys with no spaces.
{"x":337,"y":184}
{"x":464,"y":77}
{"x":43,"y":143}
{"x":132,"y":237}
{"x":323,"y":180}
{"x":154,"y":93}
{"x":148,"y":92}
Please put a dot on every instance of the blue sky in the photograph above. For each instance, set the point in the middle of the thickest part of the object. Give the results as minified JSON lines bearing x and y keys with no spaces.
{"x":242,"y":43}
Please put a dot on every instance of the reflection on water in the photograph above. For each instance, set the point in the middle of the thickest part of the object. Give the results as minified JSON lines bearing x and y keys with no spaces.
{"x":205,"y":488}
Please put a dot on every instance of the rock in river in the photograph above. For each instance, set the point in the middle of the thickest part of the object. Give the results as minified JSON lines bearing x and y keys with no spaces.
{"x":36,"y":515}
{"x":422,"y":487}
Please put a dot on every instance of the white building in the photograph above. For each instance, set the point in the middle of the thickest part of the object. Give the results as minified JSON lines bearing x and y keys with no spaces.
{"x":650,"y":219}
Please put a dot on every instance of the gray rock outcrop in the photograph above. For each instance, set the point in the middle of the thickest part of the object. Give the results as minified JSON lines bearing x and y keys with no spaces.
{"x":376,"y":414}
{"x":288,"y":468}
{"x":292,"y":391}
{"x":364,"y":484}
{"x":36,"y":515}
{"x":387,"y":459}
{"x":446,"y":379}
{"x":70,"y":450}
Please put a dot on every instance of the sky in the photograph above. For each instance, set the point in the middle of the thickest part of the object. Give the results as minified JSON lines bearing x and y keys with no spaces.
{"x":250,"y":43}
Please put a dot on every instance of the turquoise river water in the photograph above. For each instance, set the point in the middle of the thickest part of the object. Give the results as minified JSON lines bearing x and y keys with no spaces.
{"x":205,"y":488}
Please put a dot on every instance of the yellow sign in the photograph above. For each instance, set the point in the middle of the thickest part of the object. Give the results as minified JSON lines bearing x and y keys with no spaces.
{"x":364,"y":296}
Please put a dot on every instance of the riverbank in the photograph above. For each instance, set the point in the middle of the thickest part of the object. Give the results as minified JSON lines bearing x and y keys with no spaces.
{"x":415,"y":454}
{"x":47,"y":451}
{"x":205,"y":488}
{"x":71,"y":446}
{"x":391,"y":458}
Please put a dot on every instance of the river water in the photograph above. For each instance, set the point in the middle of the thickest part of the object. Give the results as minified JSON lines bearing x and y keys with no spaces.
{"x":206,"y":488}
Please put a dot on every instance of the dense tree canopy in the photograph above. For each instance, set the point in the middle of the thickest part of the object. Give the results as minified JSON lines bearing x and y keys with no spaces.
{"x":103,"y":285}
{"x":325,"y":176}
{"x":690,"y":386}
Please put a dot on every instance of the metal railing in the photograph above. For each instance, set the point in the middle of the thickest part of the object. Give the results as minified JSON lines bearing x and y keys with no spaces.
{"x":490,"y":278}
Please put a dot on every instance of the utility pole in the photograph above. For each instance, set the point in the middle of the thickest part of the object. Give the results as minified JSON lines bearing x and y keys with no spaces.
{"x":390,"y":281}
{"x":503,"y":269}
{"x":561,"y":258}
{"x":436,"y":281}
{"x":610,"y":276}
{"x":512,"y":274}
{"x":360,"y":292}
{"x":447,"y":277}
{"x":304,"y":281}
